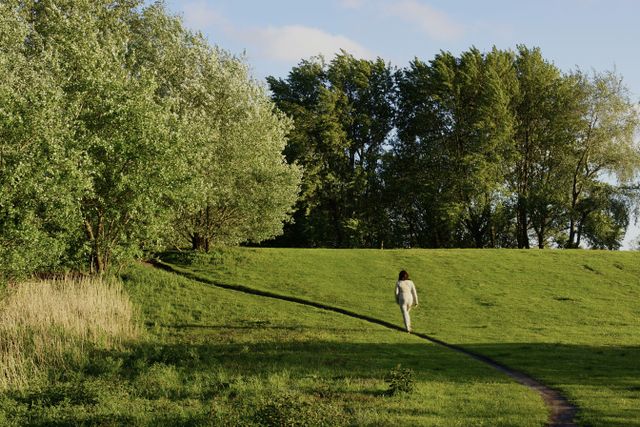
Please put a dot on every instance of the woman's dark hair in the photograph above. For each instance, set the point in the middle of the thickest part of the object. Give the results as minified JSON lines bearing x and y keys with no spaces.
{"x":403,"y":275}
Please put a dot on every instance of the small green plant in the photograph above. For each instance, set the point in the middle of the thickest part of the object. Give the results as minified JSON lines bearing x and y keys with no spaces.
{"x":292,"y":410}
{"x":400,"y":380}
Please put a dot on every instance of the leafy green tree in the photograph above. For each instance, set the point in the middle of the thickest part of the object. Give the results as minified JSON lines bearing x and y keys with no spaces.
{"x":604,"y":216}
{"x":244,"y":188}
{"x":115,"y":120}
{"x":238,"y":186}
{"x":603,"y":146}
{"x":490,"y":145}
{"x":39,"y":183}
{"x":546,"y":125}
{"x":342,"y":113}
{"x":455,"y":127}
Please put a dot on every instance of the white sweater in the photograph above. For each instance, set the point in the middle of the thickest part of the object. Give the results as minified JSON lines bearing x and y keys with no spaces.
{"x":406,"y":293}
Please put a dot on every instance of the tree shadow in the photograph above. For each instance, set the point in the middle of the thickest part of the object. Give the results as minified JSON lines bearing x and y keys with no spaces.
{"x":614,"y":367}
{"x":250,"y":326}
{"x":327,"y":362}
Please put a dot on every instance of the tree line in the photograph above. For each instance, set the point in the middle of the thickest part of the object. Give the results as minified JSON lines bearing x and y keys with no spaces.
{"x":495,"y":149}
{"x":121,"y":131}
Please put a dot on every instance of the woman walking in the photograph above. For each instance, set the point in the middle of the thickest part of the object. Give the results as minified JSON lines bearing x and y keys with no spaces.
{"x":406,"y":297}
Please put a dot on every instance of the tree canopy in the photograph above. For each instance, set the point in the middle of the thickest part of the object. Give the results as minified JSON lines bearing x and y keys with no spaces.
{"x":119,"y":128}
{"x":495,"y":149}
{"x":121,"y":131}
{"x":342,"y":112}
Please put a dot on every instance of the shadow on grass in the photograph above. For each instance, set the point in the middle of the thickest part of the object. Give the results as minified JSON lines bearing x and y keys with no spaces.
{"x":605,"y":380}
{"x":250,"y":326}
{"x":616,"y":368}
{"x":148,"y":371}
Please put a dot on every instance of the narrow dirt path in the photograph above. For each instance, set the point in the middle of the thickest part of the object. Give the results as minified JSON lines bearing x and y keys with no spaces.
{"x":562,"y":412}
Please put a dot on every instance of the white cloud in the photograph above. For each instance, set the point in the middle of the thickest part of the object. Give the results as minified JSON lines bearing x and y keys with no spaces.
{"x":285,"y":43}
{"x":434,"y":23}
{"x":198,"y":15}
{"x":292,"y":42}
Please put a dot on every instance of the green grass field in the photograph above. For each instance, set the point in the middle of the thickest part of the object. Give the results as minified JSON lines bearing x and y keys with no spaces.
{"x":209,"y":356}
{"x":216,"y":357}
{"x":568,"y":318}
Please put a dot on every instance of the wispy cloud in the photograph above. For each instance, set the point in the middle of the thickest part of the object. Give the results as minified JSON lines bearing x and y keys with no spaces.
{"x":279,"y":43}
{"x":292,"y":42}
{"x":436,"y":24}
{"x":199,"y":15}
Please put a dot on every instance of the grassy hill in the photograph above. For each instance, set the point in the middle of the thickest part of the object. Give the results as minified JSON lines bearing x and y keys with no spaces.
{"x":568,"y":318}
{"x":213,"y":357}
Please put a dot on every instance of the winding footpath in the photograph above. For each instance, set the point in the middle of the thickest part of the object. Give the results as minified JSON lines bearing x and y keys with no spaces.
{"x":562,"y":412}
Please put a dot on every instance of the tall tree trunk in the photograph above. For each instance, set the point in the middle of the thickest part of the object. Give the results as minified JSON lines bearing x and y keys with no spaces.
{"x":492,"y":235}
{"x":522,"y":224}
{"x":337,"y":227}
{"x":572,"y":232}
{"x":541,"y":239}
{"x":97,"y":257}
{"x":583,"y":218}
{"x":199,"y":242}
{"x":575,"y":194}
{"x":100,"y":261}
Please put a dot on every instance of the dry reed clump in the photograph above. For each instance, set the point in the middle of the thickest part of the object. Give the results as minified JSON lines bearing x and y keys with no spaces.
{"x":53,"y":323}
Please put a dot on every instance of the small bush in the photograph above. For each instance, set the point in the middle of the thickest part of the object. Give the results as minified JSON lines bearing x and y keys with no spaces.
{"x":160,"y":381}
{"x":290,"y":410}
{"x":400,"y":380}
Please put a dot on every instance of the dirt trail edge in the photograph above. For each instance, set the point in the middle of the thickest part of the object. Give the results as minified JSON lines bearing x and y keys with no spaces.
{"x":562,"y":412}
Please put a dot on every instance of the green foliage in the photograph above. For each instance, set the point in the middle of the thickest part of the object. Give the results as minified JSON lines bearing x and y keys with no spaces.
{"x":237,"y":186}
{"x":116,"y":122}
{"x":342,"y":113}
{"x":446,"y":179}
{"x":400,"y":380}
{"x":607,"y":146}
{"x":38,"y":181}
{"x":494,"y":149}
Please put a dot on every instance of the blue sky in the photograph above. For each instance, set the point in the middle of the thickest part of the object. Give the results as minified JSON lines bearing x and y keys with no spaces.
{"x":274,"y":35}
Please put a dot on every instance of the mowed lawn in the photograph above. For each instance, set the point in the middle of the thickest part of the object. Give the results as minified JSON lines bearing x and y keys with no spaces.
{"x":328,"y":368}
{"x":568,"y":318}
{"x":214,"y":357}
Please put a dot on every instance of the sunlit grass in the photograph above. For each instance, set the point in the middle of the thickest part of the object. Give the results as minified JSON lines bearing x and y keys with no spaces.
{"x":268,"y":351}
{"x":568,"y":318}
{"x":215,"y":357}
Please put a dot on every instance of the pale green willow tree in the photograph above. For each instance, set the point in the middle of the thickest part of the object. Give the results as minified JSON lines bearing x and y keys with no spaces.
{"x":39,"y":182}
{"x":239,"y":187}
{"x":604,"y":145}
{"x":243,"y":187}
{"x":129,"y":121}
{"x":115,"y":121}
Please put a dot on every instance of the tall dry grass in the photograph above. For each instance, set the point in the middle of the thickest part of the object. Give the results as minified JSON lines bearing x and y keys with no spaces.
{"x":52,"y":324}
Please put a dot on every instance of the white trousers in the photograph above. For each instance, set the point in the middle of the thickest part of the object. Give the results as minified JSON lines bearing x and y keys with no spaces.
{"x":405,"y":308}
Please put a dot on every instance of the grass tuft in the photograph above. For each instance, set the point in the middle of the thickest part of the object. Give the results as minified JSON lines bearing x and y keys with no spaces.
{"x":53,"y":324}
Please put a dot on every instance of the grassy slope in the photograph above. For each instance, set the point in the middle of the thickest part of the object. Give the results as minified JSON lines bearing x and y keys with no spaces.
{"x":569,"y":318}
{"x":212,"y":357}
{"x":265,"y":347}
